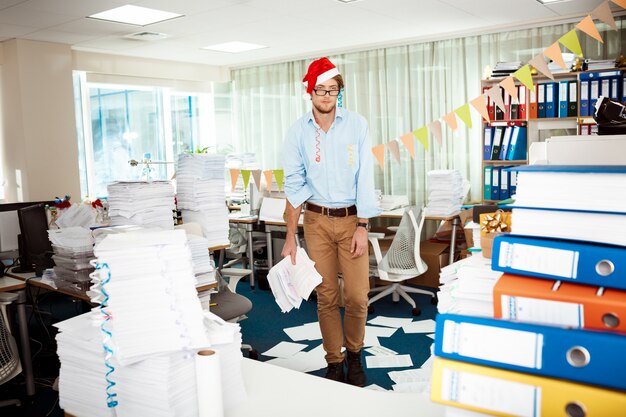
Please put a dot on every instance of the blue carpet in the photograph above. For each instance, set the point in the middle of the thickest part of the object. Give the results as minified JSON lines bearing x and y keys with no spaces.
{"x":264,"y":326}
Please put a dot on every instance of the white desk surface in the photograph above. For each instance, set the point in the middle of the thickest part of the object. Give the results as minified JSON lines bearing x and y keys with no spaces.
{"x":11,"y":284}
{"x":279,"y":392}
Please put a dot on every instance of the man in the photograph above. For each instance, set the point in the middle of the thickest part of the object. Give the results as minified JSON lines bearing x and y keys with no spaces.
{"x":328,"y":165}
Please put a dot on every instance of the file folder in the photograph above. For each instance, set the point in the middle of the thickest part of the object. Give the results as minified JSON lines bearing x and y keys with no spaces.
{"x":517,"y":146}
{"x":541,"y":101}
{"x":506,"y":141}
{"x":615,"y":94}
{"x":487,"y":142}
{"x":605,"y":87}
{"x":499,"y":113}
{"x":507,"y":104}
{"x":504,"y":184}
{"x":495,"y":183}
{"x":594,"y":93}
{"x":521,"y":94}
{"x":584,"y":356}
{"x":584,"y":98}
{"x":532,"y":103}
{"x":512,"y":182}
{"x":623,"y":89}
{"x":490,"y":105}
{"x":559,"y":259}
{"x":506,"y":393}
{"x":551,"y":100}
{"x":572,"y":109}
{"x":563,"y":99}
{"x":557,"y":303}
{"x":487,"y":183}
{"x":496,"y":142}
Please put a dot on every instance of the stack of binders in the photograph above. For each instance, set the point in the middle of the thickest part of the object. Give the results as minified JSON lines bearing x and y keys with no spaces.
{"x":555,"y":344}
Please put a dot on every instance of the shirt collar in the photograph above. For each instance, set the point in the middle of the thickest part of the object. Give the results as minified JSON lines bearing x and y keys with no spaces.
{"x":339,"y":114}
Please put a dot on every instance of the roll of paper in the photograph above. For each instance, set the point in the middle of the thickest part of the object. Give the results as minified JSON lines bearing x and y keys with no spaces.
{"x":209,"y":384}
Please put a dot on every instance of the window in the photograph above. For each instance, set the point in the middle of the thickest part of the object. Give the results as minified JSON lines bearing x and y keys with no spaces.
{"x":118,"y":123}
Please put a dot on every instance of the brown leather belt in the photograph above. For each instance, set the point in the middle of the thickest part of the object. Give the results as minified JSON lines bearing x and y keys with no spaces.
{"x":332,"y":212}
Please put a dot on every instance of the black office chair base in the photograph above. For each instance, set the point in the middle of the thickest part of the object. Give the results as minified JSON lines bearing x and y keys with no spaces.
{"x":434,"y":300}
{"x":416,"y":311}
{"x":253,"y":354}
{"x":370,"y":309}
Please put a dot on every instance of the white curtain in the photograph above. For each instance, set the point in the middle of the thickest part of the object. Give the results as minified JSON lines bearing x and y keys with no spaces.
{"x":398,"y":90}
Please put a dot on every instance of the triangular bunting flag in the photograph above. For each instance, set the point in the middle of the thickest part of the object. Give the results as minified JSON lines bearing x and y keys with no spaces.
{"x":379,"y":153}
{"x":539,"y":62}
{"x":422,"y":136}
{"x":268,"y":178}
{"x":245,"y":174}
{"x":620,"y":3}
{"x":409,"y":144}
{"x":394,"y":148}
{"x":587,"y":26}
{"x":464,"y":114}
{"x":450,"y":120}
{"x":523,"y":74}
{"x":554,"y":53}
{"x":570,"y":41}
{"x":495,"y":94}
{"x":234,"y":176}
{"x":256,"y":174}
{"x":509,"y":85}
{"x":479,"y":104}
{"x":279,"y":174}
{"x":435,"y":127}
{"x":604,"y":14}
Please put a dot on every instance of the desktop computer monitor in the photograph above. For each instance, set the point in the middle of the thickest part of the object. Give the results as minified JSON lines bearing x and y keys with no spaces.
{"x":35,"y":247}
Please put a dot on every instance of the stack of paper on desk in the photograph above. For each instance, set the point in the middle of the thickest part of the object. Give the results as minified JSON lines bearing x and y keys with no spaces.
{"x":468,"y":287}
{"x":445,"y":192}
{"x":200,"y":194}
{"x":200,"y":257}
{"x":290,"y":283}
{"x":142,"y":203}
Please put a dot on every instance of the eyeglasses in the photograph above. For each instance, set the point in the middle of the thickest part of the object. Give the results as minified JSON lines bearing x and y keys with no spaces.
{"x":322,"y":93}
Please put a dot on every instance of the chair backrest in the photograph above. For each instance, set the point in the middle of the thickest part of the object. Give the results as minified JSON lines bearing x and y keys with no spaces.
{"x":9,"y":357}
{"x":403,"y":256}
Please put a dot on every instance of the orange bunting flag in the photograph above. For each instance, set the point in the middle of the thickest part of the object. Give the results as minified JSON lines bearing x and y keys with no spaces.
{"x":256,"y":174}
{"x":571,"y":42}
{"x":620,"y":3}
{"x":554,"y":53}
{"x":279,"y":174}
{"x":379,"y":153}
{"x":604,"y":14}
{"x":450,"y":120}
{"x":509,"y":85}
{"x":464,"y":114}
{"x":587,"y":26}
{"x":422,"y":136}
{"x":394,"y":148}
{"x":409,"y":144}
{"x":479,"y":104}
{"x":495,"y":94}
{"x":539,"y":62}
{"x":435,"y":127}
{"x":523,"y":74}
{"x":268,"y":178}
{"x":234,"y":176}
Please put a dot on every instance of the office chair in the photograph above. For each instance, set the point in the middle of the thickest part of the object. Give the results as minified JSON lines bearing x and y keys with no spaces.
{"x":401,"y":262}
{"x":9,"y":357}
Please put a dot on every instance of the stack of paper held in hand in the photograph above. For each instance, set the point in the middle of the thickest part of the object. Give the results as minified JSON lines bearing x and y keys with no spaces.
{"x":152,"y":296}
{"x":200,"y":194}
{"x":148,"y":204}
{"x":445,"y":192}
{"x":290,"y":283}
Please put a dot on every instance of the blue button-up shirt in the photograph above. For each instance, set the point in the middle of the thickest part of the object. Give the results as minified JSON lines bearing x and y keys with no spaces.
{"x":333,"y":169}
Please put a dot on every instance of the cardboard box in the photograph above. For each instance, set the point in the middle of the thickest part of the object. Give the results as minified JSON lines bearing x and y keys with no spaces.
{"x":436,"y":255}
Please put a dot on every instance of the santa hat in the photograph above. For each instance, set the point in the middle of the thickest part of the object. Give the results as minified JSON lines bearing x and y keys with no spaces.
{"x":319,"y":71}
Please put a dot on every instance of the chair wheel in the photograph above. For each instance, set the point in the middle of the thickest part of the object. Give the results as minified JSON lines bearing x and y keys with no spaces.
{"x":370,"y":309}
{"x":416,"y":311}
{"x":434,"y":300}
{"x":253,"y":354}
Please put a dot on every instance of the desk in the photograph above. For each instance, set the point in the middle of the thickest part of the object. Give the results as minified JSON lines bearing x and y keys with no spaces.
{"x":9,"y":284}
{"x":271,"y":393}
{"x":454,"y":218}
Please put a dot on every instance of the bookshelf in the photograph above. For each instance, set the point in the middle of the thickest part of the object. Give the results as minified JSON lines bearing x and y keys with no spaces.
{"x":537,"y":117}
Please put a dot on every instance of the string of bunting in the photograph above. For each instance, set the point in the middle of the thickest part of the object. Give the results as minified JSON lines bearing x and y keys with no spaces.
{"x":268,"y":174}
{"x":524,"y":75}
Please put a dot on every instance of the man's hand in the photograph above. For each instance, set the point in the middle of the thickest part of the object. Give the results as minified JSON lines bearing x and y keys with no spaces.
{"x":359,"y":242}
{"x":290,"y":249}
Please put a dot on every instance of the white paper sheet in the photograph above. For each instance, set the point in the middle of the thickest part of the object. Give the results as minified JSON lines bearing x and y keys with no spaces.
{"x":395,"y":361}
{"x":424,"y":326}
{"x":389,"y":321}
{"x":285,"y":350}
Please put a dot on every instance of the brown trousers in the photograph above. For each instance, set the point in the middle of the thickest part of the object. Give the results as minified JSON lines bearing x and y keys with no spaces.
{"x":328,"y":242}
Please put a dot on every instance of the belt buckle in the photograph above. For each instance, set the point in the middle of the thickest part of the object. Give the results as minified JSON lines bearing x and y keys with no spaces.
{"x":327,"y":211}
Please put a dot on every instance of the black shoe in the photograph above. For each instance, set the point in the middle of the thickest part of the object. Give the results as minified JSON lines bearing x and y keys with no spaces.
{"x":335,"y":371}
{"x":356,"y":374}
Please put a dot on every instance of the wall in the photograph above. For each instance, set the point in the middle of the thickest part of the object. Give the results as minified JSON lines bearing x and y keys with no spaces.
{"x":38,"y":145}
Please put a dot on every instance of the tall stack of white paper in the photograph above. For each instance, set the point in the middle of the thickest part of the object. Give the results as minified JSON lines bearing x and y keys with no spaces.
{"x":142,"y":203}
{"x":200,"y":256}
{"x":468,"y":287}
{"x":200,"y":194}
{"x":445,"y":192}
